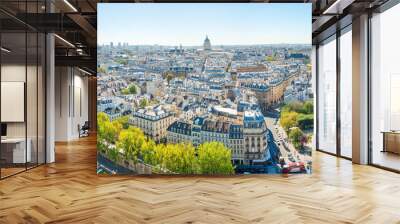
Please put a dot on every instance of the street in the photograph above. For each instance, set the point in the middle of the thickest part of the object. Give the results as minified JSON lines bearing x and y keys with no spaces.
{"x":280,"y":140}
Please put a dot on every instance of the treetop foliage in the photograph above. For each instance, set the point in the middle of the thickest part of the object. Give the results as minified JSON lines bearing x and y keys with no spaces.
{"x":131,"y":144}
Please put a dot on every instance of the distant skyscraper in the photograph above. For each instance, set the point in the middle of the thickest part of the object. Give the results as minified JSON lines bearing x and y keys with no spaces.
{"x":207,"y":44}
{"x":111,"y":44}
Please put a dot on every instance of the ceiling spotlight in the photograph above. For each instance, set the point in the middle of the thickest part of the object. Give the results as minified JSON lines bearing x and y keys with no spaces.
{"x":70,"y":5}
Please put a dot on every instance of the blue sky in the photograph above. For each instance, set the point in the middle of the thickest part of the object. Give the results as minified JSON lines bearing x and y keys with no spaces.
{"x":188,"y":24}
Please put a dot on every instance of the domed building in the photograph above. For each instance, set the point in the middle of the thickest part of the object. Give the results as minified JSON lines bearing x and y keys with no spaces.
{"x":207,"y":44}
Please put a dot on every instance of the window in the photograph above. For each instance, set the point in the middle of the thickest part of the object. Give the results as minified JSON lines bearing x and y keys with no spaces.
{"x":346,"y":93}
{"x":327,"y":96}
{"x":22,"y":64}
{"x":385,"y":89}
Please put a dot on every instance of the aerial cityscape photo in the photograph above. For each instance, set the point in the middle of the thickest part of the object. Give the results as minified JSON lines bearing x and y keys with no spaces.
{"x":213,"y":89}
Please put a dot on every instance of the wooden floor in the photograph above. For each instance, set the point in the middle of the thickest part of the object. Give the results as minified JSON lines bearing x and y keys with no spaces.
{"x":386,"y":159}
{"x":5,"y":172}
{"x":69,"y":191}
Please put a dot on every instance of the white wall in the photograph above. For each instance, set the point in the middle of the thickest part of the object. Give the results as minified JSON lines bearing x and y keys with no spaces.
{"x":62,"y":82}
{"x":33,"y":126}
{"x":71,"y":94}
{"x":80,"y":109}
{"x":12,"y":73}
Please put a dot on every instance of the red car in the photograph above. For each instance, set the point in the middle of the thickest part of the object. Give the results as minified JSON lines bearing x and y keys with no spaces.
{"x":294,"y":167}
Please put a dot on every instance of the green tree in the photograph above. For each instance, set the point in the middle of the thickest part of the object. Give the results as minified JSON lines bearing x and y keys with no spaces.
{"x":113,"y":154}
{"x":306,"y":121}
{"x":299,"y":107}
{"x":107,"y":134}
{"x":125,"y":91}
{"x":121,"y":61}
{"x":101,"y":69}
{"x":270,"y":58}
{"x":101,"y":146}
{"x":110,"y":132}
{"x":177,"y":158}
{"x":158,"y":156}
{"x":130,"y":142}
{"x":297,"y":114}
{"x":124,"y":121}
{"x":295,"y":106}
{"x":182,"y":159}
{"x":214,"y":158}
{"x":169,"y":77}
{"x":143,"y":103}
{"x":101,"y":119}
{"x":147,"y":152}
{"x":307,"y":60}
{"x":308,"y":107}
{"x":288,"y":119}
{"x":297,"y":137}
{"x":106,"y":130}
{"x":132,"y":89}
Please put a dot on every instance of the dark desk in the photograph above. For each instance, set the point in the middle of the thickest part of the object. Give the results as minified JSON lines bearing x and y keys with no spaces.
{"x":391,"y":141}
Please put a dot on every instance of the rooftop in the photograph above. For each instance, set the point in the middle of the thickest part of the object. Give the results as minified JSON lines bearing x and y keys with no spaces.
{"x":152,"y":113}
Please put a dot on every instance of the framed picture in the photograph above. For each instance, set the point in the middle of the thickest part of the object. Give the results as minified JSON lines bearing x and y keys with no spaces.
{"x":204,"y":89}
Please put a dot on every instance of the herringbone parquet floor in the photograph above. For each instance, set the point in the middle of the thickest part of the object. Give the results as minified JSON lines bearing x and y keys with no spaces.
{"x":69,"y":191}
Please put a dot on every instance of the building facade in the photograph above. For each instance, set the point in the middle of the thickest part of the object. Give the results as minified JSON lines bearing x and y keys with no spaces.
{"x":255,"y":134}
{"x":247,"y":137}
{"x":153,"y":121}
{"x":271,"y":93}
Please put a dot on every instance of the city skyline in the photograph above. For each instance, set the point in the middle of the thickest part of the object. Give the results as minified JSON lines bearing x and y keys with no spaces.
{"x":188,"y":24}
{"x":251,"y":107}
{"x":200,"y":45}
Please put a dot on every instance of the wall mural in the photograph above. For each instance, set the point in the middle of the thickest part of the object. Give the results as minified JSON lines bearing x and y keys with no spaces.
{"x":211,"y":89}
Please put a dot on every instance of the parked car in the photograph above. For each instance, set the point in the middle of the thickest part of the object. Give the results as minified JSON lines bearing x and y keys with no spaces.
{"x":294,"y":167}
